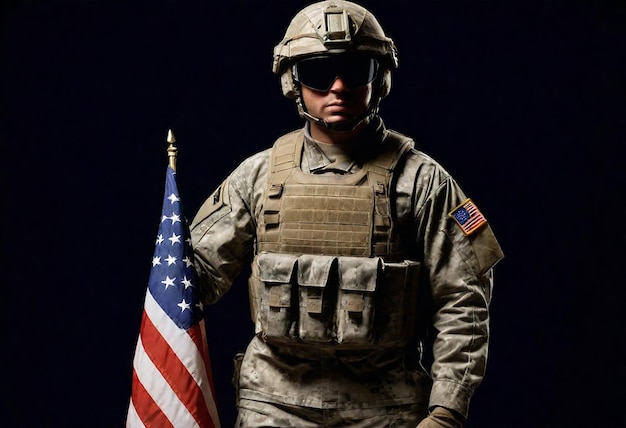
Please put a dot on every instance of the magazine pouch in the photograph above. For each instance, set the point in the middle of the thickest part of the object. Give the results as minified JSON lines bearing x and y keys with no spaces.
{"x":271,"y":286}
{"x":358,"y":277}
{"x":316,"y":307}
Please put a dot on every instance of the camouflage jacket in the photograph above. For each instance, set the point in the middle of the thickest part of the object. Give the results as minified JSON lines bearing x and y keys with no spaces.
{"x":447,"y":234}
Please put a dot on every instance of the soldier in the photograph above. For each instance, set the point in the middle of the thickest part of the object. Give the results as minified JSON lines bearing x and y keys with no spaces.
{"x":360,"y":245}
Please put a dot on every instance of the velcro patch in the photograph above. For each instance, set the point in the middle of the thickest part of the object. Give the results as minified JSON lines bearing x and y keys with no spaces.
{"x":217,"y":200}
{"x":468,"y":217}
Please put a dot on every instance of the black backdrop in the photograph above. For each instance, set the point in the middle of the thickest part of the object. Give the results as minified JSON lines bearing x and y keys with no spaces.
{"x":522,"y":101}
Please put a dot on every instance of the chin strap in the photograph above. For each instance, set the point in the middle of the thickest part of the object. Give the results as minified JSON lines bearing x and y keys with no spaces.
{"x":344,"y":125}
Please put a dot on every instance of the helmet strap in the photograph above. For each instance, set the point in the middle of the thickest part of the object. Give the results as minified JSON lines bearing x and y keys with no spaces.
{"x":346,"y":125}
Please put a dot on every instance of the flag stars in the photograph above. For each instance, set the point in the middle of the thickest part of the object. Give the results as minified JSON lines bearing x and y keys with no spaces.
{"x":186,"y":282}
{"x":174,"y":218}
{"x":168,"y":281}
{"x":174,"y":238}
{"x":184,"y":306}
{"x":173,"y":258}
{"x":173,"y":198}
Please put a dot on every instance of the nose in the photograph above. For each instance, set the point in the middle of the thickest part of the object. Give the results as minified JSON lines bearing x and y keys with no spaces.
{"x":338,"y":85}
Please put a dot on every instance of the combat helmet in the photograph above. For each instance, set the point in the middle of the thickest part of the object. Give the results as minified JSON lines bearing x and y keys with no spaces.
{"x":334,"y":27}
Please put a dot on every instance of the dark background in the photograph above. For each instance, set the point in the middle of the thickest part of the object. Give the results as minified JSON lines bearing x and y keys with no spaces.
{"x":522,"y":101}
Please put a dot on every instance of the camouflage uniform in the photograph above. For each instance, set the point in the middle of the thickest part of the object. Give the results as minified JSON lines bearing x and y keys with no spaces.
{"x":355,"y":256}
{"x":453,"y":296}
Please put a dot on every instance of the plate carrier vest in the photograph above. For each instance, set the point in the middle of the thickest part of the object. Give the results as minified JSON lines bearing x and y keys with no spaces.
{"x":329,"y":270}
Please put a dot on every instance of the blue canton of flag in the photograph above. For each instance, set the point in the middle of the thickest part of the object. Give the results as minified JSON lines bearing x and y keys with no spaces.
{"x":172,"y":382}
{"x":173,"y":279}
{"x":468,"y":217}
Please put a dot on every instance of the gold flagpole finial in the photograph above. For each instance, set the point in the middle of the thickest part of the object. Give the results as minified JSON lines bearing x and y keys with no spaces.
{"x":171,"y":149}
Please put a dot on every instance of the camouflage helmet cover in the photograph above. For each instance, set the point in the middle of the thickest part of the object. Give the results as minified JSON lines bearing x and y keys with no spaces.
{"x":333,"y":26}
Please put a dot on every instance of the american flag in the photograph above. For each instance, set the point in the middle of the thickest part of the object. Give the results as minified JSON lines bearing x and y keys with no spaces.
{"x":468,"y":217}
{"x":172,"y":381}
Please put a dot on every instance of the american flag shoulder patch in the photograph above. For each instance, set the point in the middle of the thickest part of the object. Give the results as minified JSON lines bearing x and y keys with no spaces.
{"x":468,"y":217}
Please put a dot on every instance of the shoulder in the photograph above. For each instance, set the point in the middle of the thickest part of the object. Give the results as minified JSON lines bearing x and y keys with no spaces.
{"x":288,"y":138}
{"x":425,"y":163}
{"x":256,"y":163}
{"x":251,"y":174}
{"x":415,"y":159}
{"x":261,"y":158}
{"x":418,"y":165}
{"x":421,"y":179}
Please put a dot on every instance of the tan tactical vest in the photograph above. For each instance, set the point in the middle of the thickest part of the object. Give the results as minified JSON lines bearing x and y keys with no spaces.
{"x":325,"y":213}
{"x":327,"y":269}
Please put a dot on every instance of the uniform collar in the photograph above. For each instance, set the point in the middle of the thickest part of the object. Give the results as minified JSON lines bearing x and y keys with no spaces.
{"x":315,"y":160}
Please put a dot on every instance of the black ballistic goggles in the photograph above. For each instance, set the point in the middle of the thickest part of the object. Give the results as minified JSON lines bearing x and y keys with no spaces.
{"x":319,"y":72}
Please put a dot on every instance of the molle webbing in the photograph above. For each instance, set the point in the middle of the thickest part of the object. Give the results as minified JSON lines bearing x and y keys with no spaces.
{"x":327,"y":213}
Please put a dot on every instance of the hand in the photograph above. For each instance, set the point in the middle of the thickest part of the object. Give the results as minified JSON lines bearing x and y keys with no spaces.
{"x":441,"y":417}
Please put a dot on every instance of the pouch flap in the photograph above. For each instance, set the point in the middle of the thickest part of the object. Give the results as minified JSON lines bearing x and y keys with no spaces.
{"x":313,"y":271}
{"x":275,"y":267}
{"x":359,"y":273}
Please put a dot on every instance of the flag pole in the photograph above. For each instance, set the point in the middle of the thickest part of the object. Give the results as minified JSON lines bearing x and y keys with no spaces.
{"x":178,"y":392}
{"x":171,"y":149}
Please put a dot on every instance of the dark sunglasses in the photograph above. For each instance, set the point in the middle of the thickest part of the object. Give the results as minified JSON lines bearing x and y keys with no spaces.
{"x":319,"y":73}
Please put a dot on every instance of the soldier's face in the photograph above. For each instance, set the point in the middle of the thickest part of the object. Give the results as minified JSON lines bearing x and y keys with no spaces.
{"x":339,"y":102}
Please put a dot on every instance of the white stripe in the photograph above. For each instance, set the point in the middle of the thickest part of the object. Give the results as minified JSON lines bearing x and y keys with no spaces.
{"x":185,"y":348}
{"x":160,"y":391}
{"x":158,"y":388}
{"x":132,"y":418}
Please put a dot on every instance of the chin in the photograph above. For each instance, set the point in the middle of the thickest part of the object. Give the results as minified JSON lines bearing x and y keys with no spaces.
{"x":339,"y":118}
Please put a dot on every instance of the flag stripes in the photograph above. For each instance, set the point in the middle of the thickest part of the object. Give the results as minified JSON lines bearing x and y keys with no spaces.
{"x":172,"y":383}
{"x":151,"y":413}
{"x":468,"y":217}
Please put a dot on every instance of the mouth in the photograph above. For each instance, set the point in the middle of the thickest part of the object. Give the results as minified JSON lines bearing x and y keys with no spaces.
{"x":338,"y":107}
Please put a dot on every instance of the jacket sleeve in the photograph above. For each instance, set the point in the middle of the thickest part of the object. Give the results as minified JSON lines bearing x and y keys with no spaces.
{"x":459,"y":266}
{"x":223,"y":230}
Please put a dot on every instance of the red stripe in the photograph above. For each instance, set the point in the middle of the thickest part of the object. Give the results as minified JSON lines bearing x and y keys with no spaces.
{"x":175,"y":373}
{"x":147,"y":410}
{"x":470,"y":227}
{"x":473,"y":221}
{"x":198,"y":335}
